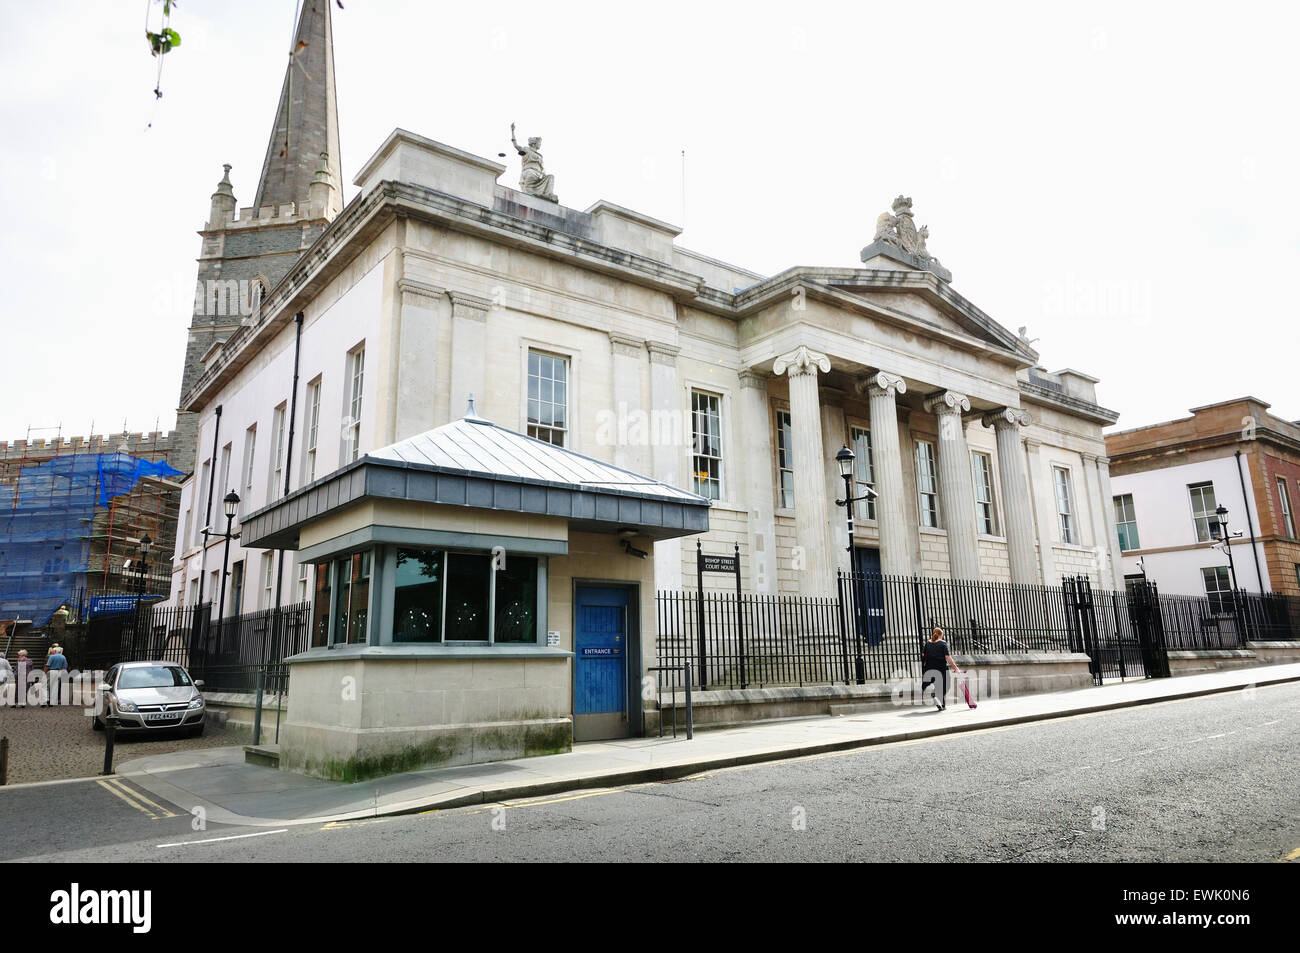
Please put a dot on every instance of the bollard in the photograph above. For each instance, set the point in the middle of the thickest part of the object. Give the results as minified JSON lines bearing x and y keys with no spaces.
{"x":110,"y":729}
{"x":257,"y":714}
{"x":4,"y":761}
{"x":690,"y":715}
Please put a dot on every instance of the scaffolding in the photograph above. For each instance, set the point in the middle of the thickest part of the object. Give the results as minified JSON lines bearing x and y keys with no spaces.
{"x":73,"y":512}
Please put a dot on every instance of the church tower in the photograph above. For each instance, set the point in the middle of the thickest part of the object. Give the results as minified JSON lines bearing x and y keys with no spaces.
{"x":300,"y":191}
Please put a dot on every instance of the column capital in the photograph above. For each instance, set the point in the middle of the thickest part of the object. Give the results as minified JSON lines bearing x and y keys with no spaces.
{"x":661,"y":353}
{"x":752,"y":378}
{"x":409,"y":286}
{"x":947,"y":402}
{"x":881,"y":383}
{"x":1090,"y":458}
{"x":1033,"y":443}
{"x":802,"y":360}
{"x":625,"y":344}
{"x":470,"y":306}
{"x":1006,"y":417}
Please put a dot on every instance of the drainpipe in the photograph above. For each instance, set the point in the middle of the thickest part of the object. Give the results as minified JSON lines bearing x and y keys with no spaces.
{"x":1250,"y":524}
{"x":288,"y":466}
{"x":207,"y":515}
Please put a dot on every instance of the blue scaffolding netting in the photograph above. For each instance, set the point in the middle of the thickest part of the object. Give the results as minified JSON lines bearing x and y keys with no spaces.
{"x":46,"y":533}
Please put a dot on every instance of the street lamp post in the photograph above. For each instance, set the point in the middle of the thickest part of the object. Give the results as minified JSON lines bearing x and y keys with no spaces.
{"x":231,"y":506}
{"x":845,"y":459}
{"x":1219,"y":531}
{"x":139,"y":569}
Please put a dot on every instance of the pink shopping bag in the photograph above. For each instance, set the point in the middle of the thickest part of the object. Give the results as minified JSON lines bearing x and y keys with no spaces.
{"x":965,"y":688}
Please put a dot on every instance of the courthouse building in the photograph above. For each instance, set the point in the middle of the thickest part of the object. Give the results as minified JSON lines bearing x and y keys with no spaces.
{"x":452,"y":370}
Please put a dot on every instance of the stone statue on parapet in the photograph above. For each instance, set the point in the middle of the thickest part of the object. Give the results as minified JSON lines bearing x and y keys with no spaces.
{"x":898,"y":228}
{"x":533,"y":179}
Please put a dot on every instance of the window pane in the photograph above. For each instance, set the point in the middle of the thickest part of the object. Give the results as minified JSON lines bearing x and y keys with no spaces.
{"x":469,"y":578}
{"x":417,"y":596}
{"x":359,"y":603}
{"x":320,"y":607}
{"x":343,"y":586}
{"x":516,"y":608}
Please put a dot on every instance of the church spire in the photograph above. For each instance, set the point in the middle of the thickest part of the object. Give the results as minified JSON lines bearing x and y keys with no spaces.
{"x":306,"y":121}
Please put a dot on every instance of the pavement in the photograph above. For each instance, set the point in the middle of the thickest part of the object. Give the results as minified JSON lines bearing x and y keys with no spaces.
{"x":233,"y":792}
{"x":55,"y":743}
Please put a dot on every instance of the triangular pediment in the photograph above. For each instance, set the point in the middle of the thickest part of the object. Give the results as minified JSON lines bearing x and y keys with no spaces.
{"x":917,"y":296}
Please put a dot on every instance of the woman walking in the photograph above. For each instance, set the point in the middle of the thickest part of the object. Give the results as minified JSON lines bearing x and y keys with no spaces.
{"x":933,"y":659}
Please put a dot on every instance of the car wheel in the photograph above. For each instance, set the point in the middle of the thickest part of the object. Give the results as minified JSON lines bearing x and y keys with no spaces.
{"x":95,"y":723}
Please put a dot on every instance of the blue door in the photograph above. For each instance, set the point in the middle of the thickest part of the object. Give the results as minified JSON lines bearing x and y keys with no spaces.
{"x":870,"y":596}
{"x":600,"y":663}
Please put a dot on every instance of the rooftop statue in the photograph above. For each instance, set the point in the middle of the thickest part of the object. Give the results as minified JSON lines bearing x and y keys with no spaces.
{"x":898,"y":228}
{"x":532,"y":178}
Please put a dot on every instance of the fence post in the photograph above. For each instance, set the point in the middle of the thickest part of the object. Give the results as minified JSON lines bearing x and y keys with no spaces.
{"x":740,"y":621}
{"x":844,"y":639}
{"x":699,"y":612}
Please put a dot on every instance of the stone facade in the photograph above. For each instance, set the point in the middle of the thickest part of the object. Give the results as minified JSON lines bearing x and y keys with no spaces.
{"x":449,"y":283}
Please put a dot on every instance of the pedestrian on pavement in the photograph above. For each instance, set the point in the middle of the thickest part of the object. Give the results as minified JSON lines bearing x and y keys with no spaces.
{"x":22,"y":675}
{"x":933,"y":659}
{"x":6,"y":673}
{"x":57,"y":667}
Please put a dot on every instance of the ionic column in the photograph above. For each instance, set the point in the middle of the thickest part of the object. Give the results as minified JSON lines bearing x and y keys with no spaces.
{"x":891,"y":520}
{"x":811,"y":515}
{"x":667,"y":457}
{"x":755,"y":449}
{"x":956,"y":488}
{"x":1017,"y":511}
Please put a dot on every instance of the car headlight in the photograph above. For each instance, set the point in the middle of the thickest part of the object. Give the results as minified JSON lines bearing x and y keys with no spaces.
{"x":126,"y":705}
{"x":196,"y":701}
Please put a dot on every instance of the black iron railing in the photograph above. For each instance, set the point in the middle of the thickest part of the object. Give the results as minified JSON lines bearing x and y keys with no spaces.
{"x":225,"y":654}
{"x":875,"y":626}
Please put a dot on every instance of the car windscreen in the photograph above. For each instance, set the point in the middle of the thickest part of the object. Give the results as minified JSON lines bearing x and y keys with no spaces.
{"x":153,"y":676}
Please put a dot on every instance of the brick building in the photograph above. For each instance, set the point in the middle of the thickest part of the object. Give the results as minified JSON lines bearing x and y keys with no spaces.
{"x":1169,"y":477}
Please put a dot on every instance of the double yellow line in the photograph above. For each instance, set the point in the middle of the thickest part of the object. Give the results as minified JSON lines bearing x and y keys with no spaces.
{"x":117,"y":787}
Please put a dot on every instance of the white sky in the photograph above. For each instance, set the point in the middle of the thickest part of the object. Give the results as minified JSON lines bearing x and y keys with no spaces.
{"x":1120,"y":179}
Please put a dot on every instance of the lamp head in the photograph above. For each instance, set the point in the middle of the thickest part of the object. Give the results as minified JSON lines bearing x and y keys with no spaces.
{"x":231,"y":504}
{"x":845,"y":459}
{"x":1219,"y":523}
{"x":146,"y":544}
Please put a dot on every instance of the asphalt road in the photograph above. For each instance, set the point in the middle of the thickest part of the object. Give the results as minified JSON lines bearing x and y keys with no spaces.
{"x":1207,"y":779}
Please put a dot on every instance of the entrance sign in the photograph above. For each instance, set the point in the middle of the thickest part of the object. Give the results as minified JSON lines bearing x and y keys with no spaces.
{"x":720,"y":563}
{"x":711,"y":563}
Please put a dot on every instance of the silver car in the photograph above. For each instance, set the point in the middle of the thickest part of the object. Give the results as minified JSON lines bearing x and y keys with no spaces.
{"x":145,"y":695}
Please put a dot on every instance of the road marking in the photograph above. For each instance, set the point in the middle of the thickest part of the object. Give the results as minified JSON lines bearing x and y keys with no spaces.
{"x":530,"y":802}
{"x":343,"y":825}
{"x":213,"y":840}
{"x":162,"y":811}
{"x":118,"y":789}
